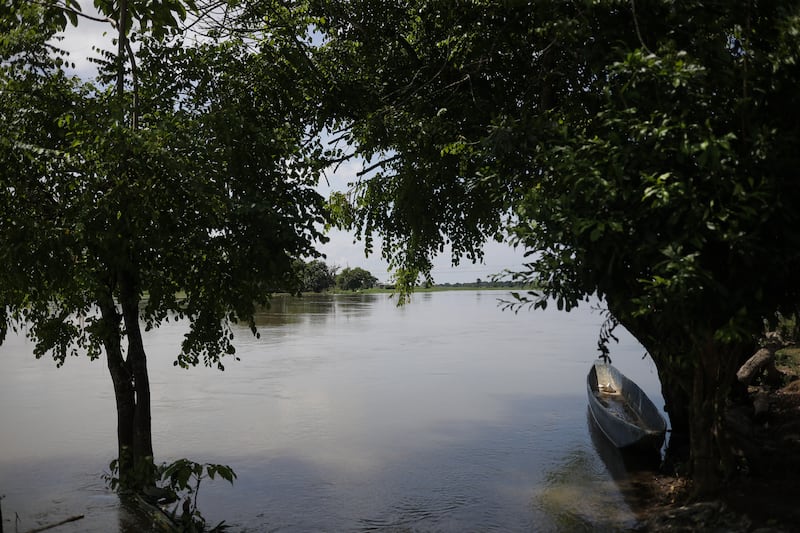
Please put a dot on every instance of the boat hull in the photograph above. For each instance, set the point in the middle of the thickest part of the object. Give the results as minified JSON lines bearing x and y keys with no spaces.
{"x":623,"y":411}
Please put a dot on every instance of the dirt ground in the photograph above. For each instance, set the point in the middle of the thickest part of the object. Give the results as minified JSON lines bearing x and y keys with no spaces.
{"x":765,"y":496}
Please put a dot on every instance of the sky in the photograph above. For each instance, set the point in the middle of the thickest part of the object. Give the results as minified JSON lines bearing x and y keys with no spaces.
{"x":342,"y":250}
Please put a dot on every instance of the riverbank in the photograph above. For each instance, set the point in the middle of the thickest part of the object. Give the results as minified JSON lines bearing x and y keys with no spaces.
{"x":763,"y":498}
{"x":487,"y":286}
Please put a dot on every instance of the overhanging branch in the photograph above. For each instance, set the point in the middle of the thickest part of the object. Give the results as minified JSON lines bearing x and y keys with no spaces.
{"x":376,"y":165}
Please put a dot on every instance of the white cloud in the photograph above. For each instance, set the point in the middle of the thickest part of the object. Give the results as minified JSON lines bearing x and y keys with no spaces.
{"x":78,"y":41}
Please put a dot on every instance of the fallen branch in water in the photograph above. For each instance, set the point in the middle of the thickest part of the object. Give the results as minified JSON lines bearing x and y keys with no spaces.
{"x":51,"y":526}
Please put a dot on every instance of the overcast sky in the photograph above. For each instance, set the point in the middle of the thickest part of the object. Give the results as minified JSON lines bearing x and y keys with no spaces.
{"x":342,"y":250}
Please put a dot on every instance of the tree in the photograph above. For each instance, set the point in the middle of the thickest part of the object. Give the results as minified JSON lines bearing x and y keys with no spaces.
{"x":643,"y":152}
{"x":353,"y":279}
{"x":172,"y":187}
{"x":317,"y":276}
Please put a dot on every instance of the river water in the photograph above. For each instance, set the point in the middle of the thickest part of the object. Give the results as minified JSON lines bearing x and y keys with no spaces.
{"x":348,"y":414}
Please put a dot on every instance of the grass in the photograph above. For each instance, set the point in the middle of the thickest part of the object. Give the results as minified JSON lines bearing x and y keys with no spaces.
{"x":789,"y":358}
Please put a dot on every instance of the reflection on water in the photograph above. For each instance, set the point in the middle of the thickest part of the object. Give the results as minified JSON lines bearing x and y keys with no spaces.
{"x":347,"y":414}
{"x":578,"y":496}
{"x":584,"y":495}
{"x":630,"y":469}
{"x":314,"y":309}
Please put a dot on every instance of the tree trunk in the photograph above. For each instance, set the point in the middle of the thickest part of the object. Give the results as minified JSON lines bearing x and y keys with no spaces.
{"x":698,"y":379}
{"x":675,"y":387}
{"x":676,"y":403}
{"x":123,"y":389}
{"x":677,"y":399}
{"x":131,"y":390}
{"x":129,"y":373}
{"x":712,"y":449}
{"x":137,"y":362}
{"x":704,"y":453}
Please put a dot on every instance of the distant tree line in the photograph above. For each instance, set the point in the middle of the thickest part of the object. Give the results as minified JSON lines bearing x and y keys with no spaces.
{"x":318,"y":276}
{"x":486,"y":284}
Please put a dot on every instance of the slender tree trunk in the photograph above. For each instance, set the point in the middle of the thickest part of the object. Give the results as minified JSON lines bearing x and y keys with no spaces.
{"x":123,"y":389}
{"x":137,"y":362}
{"x":675,"y":388}
{"x":129,"y":374}
{"x":131,"y":388}
{"x":122,"y":40}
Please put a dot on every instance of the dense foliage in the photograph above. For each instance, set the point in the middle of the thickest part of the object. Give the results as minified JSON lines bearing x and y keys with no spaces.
{"x":353,"y":279}
{"x":178,"y":184}
{"x":316,"y":275}
{"x":643,"y":152}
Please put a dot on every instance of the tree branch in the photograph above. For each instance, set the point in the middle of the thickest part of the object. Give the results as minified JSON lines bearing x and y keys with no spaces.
{"x":376,"y":165}
{"x":135,"y":78}
{"x":208,"y":9}
{"x":62,"y":522}
{"x":638,"y":31}
{"x":122,"y":38}
{"x":66,"y":8}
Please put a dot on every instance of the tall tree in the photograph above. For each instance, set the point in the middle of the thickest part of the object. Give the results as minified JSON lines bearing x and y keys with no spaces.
{"x":172,"y":186}
{"x":353,"y":279}
{"x":643,"y":152}
{"x":317,"y":276}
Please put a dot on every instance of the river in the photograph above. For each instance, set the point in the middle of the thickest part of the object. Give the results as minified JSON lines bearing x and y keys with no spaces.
{"x":347,"y":414}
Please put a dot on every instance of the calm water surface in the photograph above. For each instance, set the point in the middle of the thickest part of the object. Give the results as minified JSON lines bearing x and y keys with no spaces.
{"x":348,"y":414}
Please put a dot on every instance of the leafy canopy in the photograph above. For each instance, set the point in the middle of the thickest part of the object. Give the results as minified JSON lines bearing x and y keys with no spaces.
{"x":199,"y":205}
{"x":353,"y":279}
{"x":641,"y":152}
